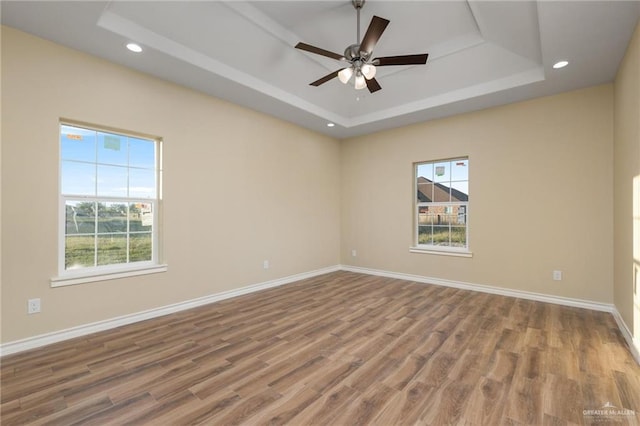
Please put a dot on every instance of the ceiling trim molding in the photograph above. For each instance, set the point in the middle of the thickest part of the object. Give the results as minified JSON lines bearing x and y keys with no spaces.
{"x":126,"y":28}
{"x":527,"y":77}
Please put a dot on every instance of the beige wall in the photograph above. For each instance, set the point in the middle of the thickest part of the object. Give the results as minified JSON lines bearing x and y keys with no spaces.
{"x":240,"y":187}
{"x":626,"y":169}
{"x":540,"y":195}
{"x":1,"y":322}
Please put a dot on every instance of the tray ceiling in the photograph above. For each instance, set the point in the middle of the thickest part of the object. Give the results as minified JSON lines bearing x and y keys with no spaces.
{"x":481,"y":53}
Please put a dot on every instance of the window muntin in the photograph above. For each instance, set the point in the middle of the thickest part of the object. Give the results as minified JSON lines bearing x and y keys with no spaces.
{"x":442,"y":204}
{"x":109,"y":186}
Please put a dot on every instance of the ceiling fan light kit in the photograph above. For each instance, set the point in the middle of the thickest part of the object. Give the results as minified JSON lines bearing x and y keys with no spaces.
{"x":368,"y":70}
{"x":359,"y":56}
{"x":345,"y":75}
{"x":359,"y":82}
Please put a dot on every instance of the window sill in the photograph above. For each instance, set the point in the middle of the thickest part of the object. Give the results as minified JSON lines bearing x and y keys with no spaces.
{"x":442,"y":252}
{"x":103,"y":275}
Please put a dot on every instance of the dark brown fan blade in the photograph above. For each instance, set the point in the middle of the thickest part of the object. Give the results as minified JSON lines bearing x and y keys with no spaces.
{"x":373,"y":85}
{"x":325,"y":79}
{"x":318,"y":51}
{"x":375,"y":30}
{"x":401,"y":60}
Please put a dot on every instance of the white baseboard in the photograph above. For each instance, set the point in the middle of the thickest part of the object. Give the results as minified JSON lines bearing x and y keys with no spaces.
{"x":633,"y":344}
{"x":83,"y":330}
{"x":558,"y":300}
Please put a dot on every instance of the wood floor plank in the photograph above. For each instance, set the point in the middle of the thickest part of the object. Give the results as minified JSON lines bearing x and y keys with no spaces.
{"x":118,"y":411}
{"x":247,"y":408}
{"x":407,"y":371}
{"x":26,"y":415}
{"x":450,"y":403}
{"x":338,"y":349}
{"x":405,"y":406}
{"x":556,"y":407}
{"x":366,"y":406}
{"x":324,"y":410}
{"x":76,"y":413}
{"x":486,"y":402}
{"x":206,"y":410}
{"x":525,"y":401}
{"x":289,"y":406}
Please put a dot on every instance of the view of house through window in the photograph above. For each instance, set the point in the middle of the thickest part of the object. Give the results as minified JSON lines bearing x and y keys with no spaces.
{"x":109,"y":195}
{"x":442,"y":203}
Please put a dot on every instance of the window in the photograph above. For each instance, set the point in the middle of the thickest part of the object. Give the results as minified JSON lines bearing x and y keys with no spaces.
{"x":109,"y":201}
{"x":442,"y":205}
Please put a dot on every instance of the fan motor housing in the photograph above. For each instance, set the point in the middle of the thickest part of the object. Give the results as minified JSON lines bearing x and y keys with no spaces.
{"x":353,"y":53}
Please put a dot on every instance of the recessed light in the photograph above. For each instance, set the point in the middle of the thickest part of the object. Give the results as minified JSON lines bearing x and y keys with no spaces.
{"x":330,"y":124}
{"x":560,"y":64}
{"x":134,"y":47}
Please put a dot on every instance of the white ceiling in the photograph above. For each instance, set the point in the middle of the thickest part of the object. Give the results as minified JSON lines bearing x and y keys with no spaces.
{"x":481,"y":53}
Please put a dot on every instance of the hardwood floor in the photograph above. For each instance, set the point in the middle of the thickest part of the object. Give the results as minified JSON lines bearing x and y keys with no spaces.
{"x":339,"y":349}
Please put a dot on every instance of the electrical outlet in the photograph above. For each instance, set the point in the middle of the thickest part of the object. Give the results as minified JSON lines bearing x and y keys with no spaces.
{"x":265,"y":264}
{"x":354,"y":253}
{"x":33,"y":306}
{"x":557,"y":275}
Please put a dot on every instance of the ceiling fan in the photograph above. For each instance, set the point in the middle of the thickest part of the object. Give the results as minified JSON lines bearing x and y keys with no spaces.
{"x":359,"y":56}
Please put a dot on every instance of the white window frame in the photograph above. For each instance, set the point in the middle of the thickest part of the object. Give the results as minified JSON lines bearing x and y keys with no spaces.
{"x":430,"y":248}
{"x":106,"y":272}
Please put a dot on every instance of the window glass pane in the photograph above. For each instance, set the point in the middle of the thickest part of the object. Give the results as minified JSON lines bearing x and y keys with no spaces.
{"x":78,"y":178}
{"x":140,"y":247}
{"x":140,"y":217}
{"x":458,"y":236}
{"x":439,"y":215}
{"x":425,"y":192}
{"x":112,"y":249}
{"x":142,"y":183}
{"x":460,"y":191}
{"x":112,"y":217}
{"x":460,"y":170}
{"x":441,"y":193}
{"x":450,"y":215}
{"x":424,"y":216}
{"x":79,"y":251}
{"x":112,"y":149}
{"x":77,"y":144}
{"x":441,"y":235}
{"x":461,"y":215}
{"x":425,"y":171}
{"x":425,"y":235}
{"x":80,"y":217}
{"x":442,"y":172}
{"x":112,"y":181}
{"x":142,"y":153}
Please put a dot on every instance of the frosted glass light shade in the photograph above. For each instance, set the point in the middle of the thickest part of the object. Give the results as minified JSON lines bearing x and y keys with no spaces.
{"x":360,"y":82}
{"x":345,"y":75}
{"x":369,"y":71}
